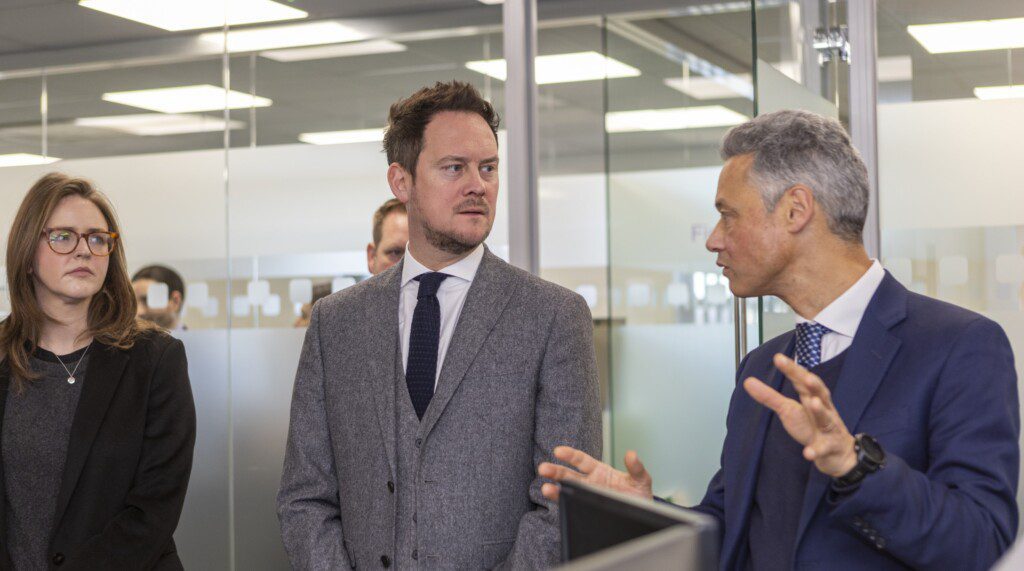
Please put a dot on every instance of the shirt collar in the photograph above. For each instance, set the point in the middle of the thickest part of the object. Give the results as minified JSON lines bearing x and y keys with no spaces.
{"x":465,"y":269}
{"x":844,"y":314}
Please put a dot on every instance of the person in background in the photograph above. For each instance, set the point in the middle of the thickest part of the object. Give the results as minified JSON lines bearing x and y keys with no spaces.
{"x":97,"y":421}
{"x":168,"y":316}
{"x":320,"y":291}
{"x":390,"y":235}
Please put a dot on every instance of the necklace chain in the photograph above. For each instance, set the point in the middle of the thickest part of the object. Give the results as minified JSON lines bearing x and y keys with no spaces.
{"x":71,"y":373}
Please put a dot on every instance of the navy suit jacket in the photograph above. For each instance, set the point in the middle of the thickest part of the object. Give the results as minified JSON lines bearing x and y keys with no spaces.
{"x":936,"y":385}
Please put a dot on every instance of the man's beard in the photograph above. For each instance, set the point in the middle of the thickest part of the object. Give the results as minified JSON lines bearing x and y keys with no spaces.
{"x":447,"y":242}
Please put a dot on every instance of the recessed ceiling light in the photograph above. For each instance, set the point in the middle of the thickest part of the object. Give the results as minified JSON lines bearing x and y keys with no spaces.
{"x":177,"y":15}
{"x":971,"y":36}
{"x":25,"y":159}
{"x":342,"y":137}
{"x":186,"y":99}
{"x":671,"y":119}
{"x":1000,"y":92}
{"x":336,"y":50}
{"x":719,"y":87}
{"x":158,"y":124}
{"x":562,"y":68}
{"x":292,"y":35}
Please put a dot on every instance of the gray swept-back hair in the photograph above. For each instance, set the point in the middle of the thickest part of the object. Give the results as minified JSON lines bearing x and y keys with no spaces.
{"x":798,"y":147}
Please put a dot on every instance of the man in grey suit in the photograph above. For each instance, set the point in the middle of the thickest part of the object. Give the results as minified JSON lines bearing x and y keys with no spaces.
{"x":427,"y":396}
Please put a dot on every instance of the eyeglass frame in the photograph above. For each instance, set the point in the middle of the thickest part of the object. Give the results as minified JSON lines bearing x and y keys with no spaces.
{"x":113,"y":241}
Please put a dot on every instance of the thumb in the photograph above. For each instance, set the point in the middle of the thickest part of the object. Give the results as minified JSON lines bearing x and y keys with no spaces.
{"x":635,"y":467}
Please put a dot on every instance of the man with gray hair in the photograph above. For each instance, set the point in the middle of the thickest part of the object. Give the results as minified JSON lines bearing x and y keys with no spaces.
{"x":894,"y":443}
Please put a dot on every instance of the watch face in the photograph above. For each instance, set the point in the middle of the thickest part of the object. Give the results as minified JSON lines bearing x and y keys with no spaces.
{"x":872,"y":450}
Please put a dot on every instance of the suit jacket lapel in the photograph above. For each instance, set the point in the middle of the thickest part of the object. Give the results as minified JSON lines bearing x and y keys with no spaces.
{"x":488,"y":295}
{"x":741,"y":482}
{"x":867,"y":361}
{"x":384,"y":364}
{"x":106,"y":367}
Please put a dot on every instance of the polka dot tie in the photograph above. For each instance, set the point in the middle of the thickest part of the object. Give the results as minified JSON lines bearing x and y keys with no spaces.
{"x":421,"y":368}
{"x":808,"y":343}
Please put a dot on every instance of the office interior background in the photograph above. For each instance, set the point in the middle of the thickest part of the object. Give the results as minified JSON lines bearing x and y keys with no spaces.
{"x":248,"y":157}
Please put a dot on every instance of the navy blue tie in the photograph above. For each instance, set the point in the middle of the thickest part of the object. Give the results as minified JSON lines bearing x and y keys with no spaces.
{"x":421,"y":368}
{"x":808,"y":343}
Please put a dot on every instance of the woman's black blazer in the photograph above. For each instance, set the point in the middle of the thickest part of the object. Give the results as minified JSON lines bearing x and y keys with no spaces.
{"x":128,"y":463}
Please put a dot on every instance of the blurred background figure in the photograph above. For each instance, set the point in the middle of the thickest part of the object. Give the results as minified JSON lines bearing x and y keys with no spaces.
{"x":390,"y":235}
{"x":320,"y":291}
{"x":163,"y":304}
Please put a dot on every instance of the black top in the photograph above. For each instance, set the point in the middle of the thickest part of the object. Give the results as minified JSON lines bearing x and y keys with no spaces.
{"x":36,"y":426}
{"x":781,"y":482}
{"x":127,"y":461}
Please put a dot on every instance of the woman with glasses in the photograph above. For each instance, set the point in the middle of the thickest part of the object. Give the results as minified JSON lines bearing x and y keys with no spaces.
{"x":97,"y":422}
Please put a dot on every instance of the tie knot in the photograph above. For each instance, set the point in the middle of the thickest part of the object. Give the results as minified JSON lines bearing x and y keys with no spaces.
{"x":808,"y":343}
{"x":429,"y":283}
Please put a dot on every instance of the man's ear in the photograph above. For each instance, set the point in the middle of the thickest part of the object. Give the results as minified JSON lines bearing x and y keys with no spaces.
{"x":371,"y":252}
{"x":400,"y":181}
{"x":174,"y":302}
{"x":800,"y":207}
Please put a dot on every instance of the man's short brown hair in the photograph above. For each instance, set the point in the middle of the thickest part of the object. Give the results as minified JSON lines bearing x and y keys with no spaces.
{"x":408,"y":118}
{"x":392,"y":205}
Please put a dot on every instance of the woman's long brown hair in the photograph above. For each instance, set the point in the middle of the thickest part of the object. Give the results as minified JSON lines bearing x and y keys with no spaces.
{"x":111,"y":318}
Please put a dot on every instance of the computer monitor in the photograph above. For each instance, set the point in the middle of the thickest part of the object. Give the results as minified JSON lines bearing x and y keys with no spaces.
{"x":593,"y":520}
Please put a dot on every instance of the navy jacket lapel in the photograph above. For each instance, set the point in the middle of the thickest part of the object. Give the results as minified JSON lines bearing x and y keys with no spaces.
{"x":489,"y":293}
{"x":741,"y":478}
{"x":867,"y":362}
{"x":106,"y":367}
{"x":385,"y":363}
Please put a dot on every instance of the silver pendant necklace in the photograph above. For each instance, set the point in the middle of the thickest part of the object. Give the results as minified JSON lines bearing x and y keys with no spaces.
{"x":71,"y":373}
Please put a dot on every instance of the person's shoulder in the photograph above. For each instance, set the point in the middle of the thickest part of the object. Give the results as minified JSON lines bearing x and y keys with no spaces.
{"x":930,"y":318}
{"x":357,"y":295}
{"x":763,"y":353}
{"x":531,"y":286}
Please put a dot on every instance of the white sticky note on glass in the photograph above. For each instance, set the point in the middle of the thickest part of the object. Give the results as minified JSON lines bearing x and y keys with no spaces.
{"x":953,"y":270}
{"x":338,"y":284}
{"x":272,"y":306}
{"x":589,"y":294}
{"x":156,"y":296}
{"x":1010,"y":269}
{"x":197,"y":294}
{"x":300,"y":291}
{"x":212,"y":307}
{"x":678,"y":295}
{"x":258,"y":291}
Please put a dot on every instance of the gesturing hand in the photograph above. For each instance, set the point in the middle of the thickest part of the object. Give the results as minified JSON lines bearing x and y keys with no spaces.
{"x":636,"y":482}
{"x":813,"y":421}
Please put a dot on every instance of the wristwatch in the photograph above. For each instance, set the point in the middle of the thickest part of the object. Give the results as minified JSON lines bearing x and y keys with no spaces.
{"x":870,"y":459}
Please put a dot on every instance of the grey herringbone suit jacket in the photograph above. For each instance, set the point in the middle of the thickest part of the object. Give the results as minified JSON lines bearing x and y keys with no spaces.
{"x":518,"y":379}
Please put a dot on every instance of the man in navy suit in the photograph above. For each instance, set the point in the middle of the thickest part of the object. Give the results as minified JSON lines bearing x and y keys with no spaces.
{"x":894,"y":444}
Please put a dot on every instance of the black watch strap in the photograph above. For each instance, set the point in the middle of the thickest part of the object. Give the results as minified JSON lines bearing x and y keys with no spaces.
{"x":870,"y":459}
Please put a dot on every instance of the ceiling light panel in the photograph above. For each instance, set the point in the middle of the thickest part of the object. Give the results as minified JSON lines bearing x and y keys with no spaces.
{"x":1000,"y":92}
{"x":335,"y":51}
{"x":158,"y":124}
{"x":972,"y":36}
{"x":343,"y":137}
{"x":723,"y":87}
{"x":288,"y":36}
{"x":186,"y":99}
{"x":672,"y":119}
{"x":562,"y":68}
{"x":25,"y":159}
{"x":178,"y":15}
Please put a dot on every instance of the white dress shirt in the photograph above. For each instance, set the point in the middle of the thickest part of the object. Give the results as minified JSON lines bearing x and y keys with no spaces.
{"x":843,"y":315}
{"x":451,"y":296}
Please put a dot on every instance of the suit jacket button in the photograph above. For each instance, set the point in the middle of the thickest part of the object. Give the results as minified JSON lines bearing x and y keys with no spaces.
{"x":58,"y":559}
{"x":415,"y":554}
{"x":391,"y":486}
{"x":419,"y":442}
{"x":385,"y":561}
